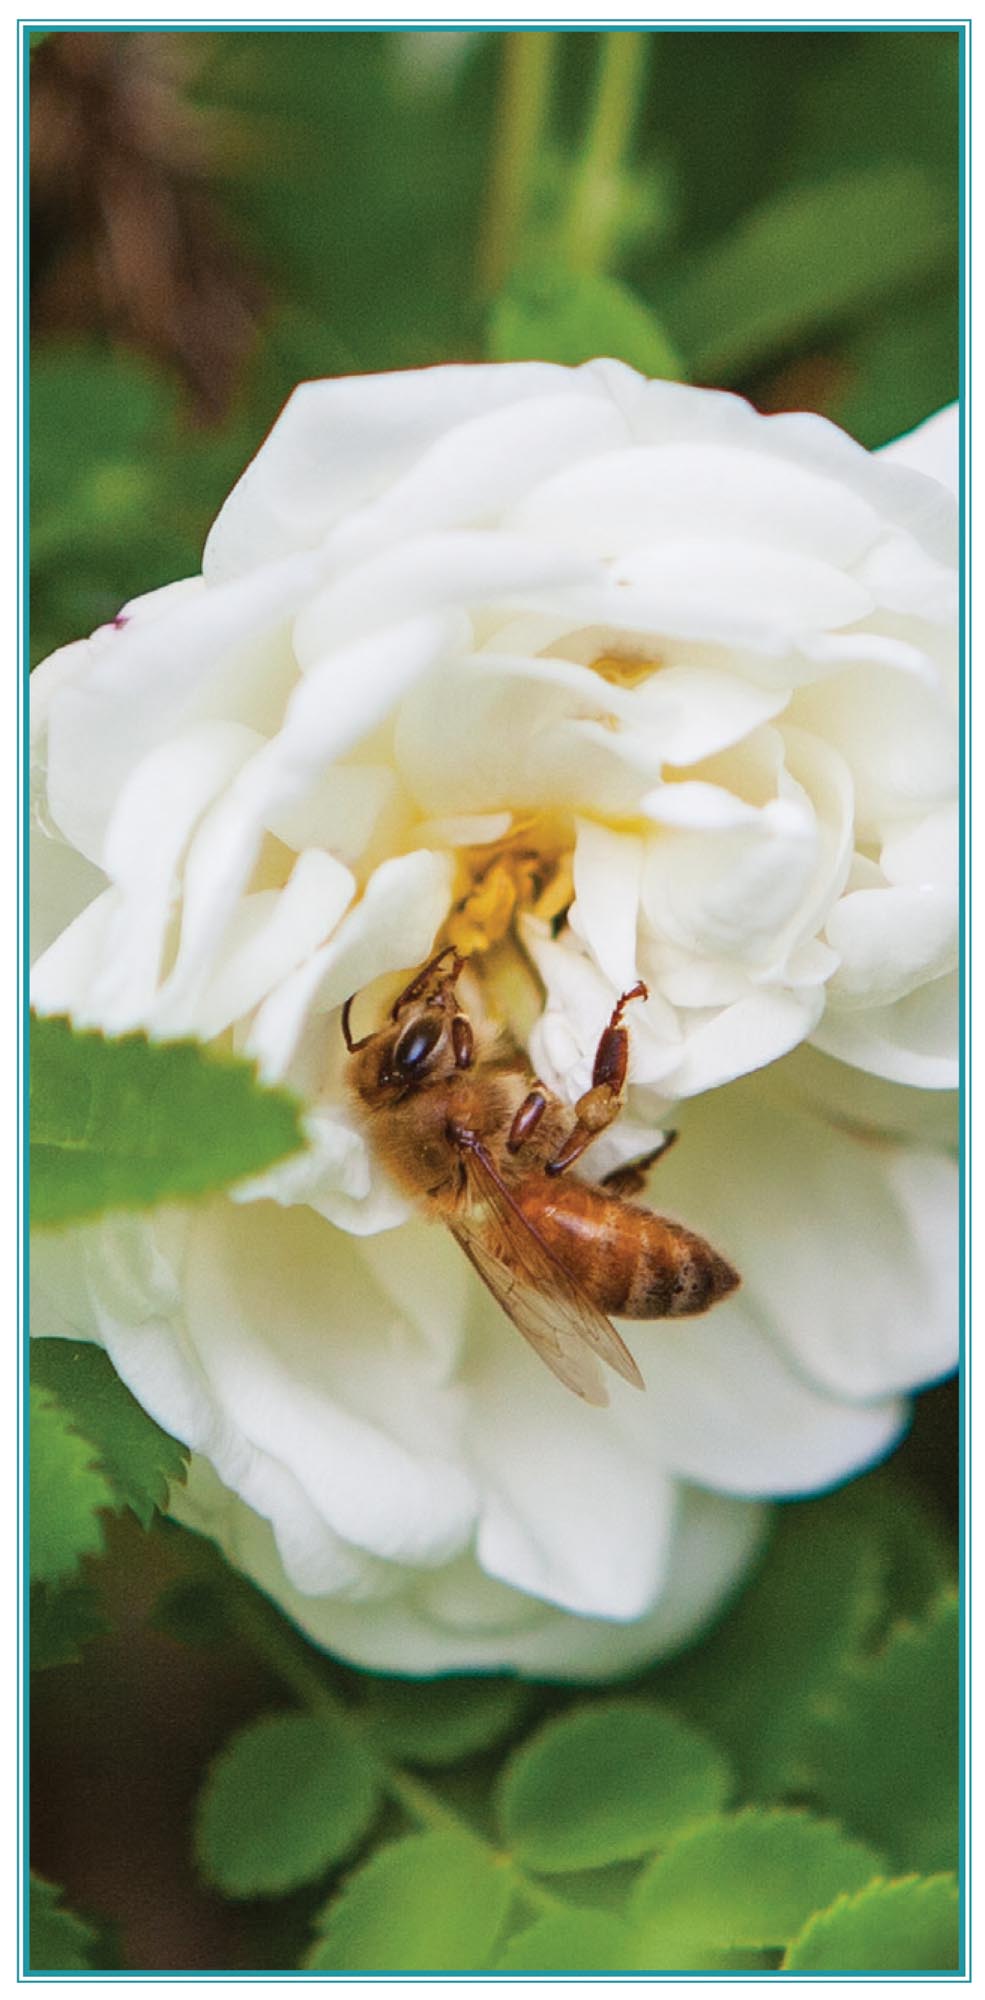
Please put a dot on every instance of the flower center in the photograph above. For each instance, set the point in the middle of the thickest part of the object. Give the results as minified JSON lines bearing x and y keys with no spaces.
{"x":530,"y":871}
{"x":625,"y":672}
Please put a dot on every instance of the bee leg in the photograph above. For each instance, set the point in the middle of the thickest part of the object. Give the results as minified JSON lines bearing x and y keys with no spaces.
{"x":599,"y":1106}
{"x":421,"y":978}
{"x":527,"y":1119}
{"x":631,"y":1178}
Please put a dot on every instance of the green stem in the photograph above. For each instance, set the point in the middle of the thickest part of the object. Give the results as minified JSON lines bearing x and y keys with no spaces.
{"x":289,"y":1658}
{"x":595,"y":196}
{"x":529,"y":58}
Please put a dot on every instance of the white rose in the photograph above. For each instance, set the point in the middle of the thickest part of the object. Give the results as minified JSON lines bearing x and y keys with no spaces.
{"x":613,"y":679}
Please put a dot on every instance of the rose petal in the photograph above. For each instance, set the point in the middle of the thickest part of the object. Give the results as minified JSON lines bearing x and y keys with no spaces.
{"x":607,"y":869}
{"x":889,"y":941}
{"x":856,"y":1274}
{"x":574,"y":1510}
{"x":458,"y":1618}
{"x":338,"y":444}
{"x":273,"y":933}
{"x":914,"y":1040}
{"x":932,"y":448}
{"x":392,"y":927}
{"x":428,"y":574}
{"x":322,"y":1374}
{"x":648,"y":495}
{"x":225,"y":658}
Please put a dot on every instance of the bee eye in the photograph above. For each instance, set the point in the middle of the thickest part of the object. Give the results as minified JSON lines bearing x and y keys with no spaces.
{"x":417,"y":1044}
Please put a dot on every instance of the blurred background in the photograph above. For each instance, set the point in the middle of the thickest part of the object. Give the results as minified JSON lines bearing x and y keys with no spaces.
{"x":218,"y":215}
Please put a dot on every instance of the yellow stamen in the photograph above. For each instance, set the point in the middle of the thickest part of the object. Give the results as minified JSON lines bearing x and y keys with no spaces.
{"x":624,"y":672}
{"x":532,"y":871}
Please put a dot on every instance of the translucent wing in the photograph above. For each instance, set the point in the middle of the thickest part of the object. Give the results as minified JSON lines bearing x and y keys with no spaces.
{"x":561,"y":1322}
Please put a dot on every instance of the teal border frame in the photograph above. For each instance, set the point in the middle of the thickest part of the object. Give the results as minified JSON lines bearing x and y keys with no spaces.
{"x":962,"y":26}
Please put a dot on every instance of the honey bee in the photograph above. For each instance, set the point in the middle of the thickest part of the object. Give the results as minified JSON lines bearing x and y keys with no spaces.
{"x":482,"y":1144}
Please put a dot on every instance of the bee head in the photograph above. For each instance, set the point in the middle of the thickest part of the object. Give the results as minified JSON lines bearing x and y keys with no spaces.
{"x":426,"y":1038}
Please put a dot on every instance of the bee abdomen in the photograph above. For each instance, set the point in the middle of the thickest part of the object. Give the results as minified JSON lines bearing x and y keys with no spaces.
{"x":632,"y":1263}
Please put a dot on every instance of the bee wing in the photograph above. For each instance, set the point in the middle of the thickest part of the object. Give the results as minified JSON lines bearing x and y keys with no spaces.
{"x":551,"y":1310}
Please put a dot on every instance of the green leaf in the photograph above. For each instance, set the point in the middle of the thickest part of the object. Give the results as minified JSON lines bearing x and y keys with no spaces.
{"x":571,"y":1941}
{"x":137,"y":1456}
{"x":607,"y":1782}
{"x":749,"y":1879}
{"x":810,"y":1607}
{"x":61,"y":1621}
{"x":908,"y":1926}
{"x":439,"y":1722}
{"x":882,"y":1750}
{"x":67,"y":1490}
{"x":59,"y":1940}
{"x":574,"y":316}
{"x":435,"y":1902}
{"x":288,"y":1796}
{"x":900,"y":370}
{"x":193,"y":1612}
{"x":123,"y":1123}
{"x":809,"y":258}
{"x":919,"y":1557}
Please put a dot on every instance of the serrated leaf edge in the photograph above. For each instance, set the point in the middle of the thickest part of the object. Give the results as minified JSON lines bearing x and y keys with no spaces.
{"x":852,"y":1898}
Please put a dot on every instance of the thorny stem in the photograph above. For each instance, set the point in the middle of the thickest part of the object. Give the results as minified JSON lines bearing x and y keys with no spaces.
{"x":529,"y":59}
{"x":268,"y":1638}
{"x":595,"y":196}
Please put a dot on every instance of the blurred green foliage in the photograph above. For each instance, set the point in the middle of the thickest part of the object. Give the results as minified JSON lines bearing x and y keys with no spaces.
{"x":780,"y":216}
{"x":622,"y":1836}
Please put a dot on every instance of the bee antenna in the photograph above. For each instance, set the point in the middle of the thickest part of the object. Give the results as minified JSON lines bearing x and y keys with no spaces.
{"x":420,"y":980}
{"x":350,"y":1044}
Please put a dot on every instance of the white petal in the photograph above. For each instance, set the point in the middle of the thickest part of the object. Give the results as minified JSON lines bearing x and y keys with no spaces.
{"x":901,"y":576}
{"x":932,"y":448}
{"x":698,"y":712}
{"x":579,"y":1002}
{"x":652,"y":494}
{"x":63,"y":976}
{"x":897,"y":737}
{"x":732,"y":581}
{"x":329,"y":713}
{"x":925,"y":855}
{"x":60,"y":1305}
{"x":869,"y":1104}
{"x":63,"y":883}
{"x":349,"y":809}
{"x":669,"y":411}
{"x":489,"y":733}
{"x":745,"y":1036}
{"x":209,"y":652}
{"x":846,"y":1244}
{"x":735,"y":1415}
{"x":320,"y":1372}
{"x":729,"y":890}
{"x":273,"y":933}
{"x":338,"y":444}
{"x":607,"y":868}
{"x":392,"y":927}
{"x":427,"y":574}
{"x":575,"y":1509}
{"x":479,"y":468}
{"x":460,"y":1619}
{"x":158,"y":808}
{"x":889,"y":941}
{"x":335,"y":1176}
{"x":914,"y":1040}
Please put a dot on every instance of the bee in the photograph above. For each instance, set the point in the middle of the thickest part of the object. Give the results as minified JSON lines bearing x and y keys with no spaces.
{"x":480,"y":1143}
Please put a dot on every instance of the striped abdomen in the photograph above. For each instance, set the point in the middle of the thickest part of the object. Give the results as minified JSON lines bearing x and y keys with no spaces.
{"x":630,"y":1262}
